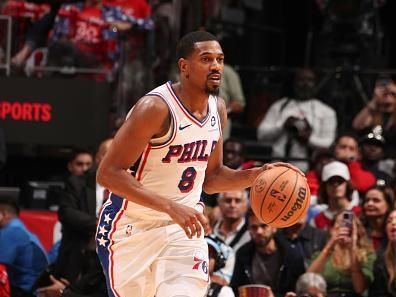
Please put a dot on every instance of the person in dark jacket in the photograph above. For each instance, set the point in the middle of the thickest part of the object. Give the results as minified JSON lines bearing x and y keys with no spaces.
{"x":266,"y":260}
{"x":304,"y":239}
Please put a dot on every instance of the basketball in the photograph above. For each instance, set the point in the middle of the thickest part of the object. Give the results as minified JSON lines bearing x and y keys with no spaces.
{"x":280,"y":196}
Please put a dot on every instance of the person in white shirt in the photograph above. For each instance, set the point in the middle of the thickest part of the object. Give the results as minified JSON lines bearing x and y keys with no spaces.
{"x":294,"y":126}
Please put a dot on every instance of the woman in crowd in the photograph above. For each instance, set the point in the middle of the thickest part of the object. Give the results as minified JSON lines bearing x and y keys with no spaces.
{"x":347,"y":260}
{"x":384,"y":284}
{"x":336,"y":193}
{"x":377,"y":204}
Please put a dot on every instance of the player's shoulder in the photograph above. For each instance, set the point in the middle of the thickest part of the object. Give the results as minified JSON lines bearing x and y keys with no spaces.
{"x":151,"y":104}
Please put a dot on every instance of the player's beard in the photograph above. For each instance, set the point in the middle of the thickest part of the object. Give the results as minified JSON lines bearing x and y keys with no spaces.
{"x":212,"y":91}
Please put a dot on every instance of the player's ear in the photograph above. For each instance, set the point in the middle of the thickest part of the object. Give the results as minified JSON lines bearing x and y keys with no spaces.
{"x":183,"y":66}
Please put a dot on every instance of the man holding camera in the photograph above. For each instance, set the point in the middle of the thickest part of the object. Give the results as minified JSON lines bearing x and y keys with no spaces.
{"x":295,"y":126}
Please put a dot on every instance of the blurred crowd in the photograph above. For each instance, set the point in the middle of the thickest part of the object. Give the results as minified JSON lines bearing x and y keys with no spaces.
{"x":345,"y":246}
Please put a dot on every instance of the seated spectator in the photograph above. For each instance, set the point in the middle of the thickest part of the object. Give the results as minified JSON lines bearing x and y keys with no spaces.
{"x":232,"y":225}
{"x":377,"y":204}
{"x":266,"y":260}
{"x":346,"y":262}
{"x":79,"y":207}
{"x":295,"y":126}
{"x":21,"y":252}
{"x":219,"y":253}
{"x":372,"y":147}
{"x":304,"y":239}
{"x":320,"y":157}
{"x":346,"y":150}
{"x":86,"y":35}
{"x":33,"y":21}
{"x":234,"y":155}
{"x":384,"y":284}
{"x":336,"y":192}
{"x":381,"y":110}
{"x":80,"y":161}
{"x":309,"y":285}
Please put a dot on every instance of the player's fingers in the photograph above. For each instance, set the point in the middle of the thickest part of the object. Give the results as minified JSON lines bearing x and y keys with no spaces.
{"x":204,"y":223}
{"x":190,"y":228}
{"x":290,"y":166}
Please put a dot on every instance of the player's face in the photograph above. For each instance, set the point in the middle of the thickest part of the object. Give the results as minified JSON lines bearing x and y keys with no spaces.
{"x":205,"y":66}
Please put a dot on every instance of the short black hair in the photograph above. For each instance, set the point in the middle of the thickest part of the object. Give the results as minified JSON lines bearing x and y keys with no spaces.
{"x":186,"y":44}
{"x":79,"y":151}
{"x":10,"y":203}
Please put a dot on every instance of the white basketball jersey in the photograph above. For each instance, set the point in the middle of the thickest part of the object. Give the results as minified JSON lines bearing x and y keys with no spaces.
{"x":176,"y":168}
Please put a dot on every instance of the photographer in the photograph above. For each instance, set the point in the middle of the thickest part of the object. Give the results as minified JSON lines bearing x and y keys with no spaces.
{"x":295,"y":126}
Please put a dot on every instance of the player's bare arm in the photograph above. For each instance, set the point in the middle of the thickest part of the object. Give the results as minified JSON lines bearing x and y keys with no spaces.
{"x":220,"y":178}
{"x":149,"y":119}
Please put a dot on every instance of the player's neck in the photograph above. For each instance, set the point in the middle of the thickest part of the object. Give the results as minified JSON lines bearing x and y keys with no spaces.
{"x":195,"y":100}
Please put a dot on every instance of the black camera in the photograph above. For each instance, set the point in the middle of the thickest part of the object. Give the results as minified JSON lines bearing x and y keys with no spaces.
{"x":299,"y":125}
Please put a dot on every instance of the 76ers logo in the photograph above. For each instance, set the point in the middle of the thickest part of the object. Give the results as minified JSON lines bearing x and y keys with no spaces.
{"x":199,"y":262}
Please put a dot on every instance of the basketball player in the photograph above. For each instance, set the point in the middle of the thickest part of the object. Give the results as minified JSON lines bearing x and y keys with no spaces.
{"x":150,"y":232}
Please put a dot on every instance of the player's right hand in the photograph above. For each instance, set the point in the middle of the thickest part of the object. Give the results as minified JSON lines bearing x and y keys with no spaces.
{"x":192,"y":221}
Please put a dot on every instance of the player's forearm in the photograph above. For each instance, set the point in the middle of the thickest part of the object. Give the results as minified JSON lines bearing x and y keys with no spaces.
{"x":126,"y":186}
{"x":227,"y":179}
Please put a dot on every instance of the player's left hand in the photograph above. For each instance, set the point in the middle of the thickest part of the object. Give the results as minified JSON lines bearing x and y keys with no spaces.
{"x":192,"y":221}
{"x":272,"y":165}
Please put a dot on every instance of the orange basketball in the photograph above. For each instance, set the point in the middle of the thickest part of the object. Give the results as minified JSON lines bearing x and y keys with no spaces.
{"x":280,"y":196}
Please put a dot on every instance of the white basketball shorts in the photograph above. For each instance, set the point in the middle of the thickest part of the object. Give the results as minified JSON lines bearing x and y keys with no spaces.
{"x":149,"y":258}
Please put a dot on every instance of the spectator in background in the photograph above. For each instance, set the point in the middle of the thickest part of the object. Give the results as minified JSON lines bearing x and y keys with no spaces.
{"x":295,"y":126}
{"x":34,"y":20}
{"x":346,"y":150}
{"x":304,"y":239}
{"x":266,"y":260}
{"x":232,"y":93}
{"x":219,"y":252}
{"x":232,"y":225}
{"x":384,"y":284}
{"x":381,"y":110}
{"x":310,"y":285}
{"x":20,"y":250}
{"x":377,"y":204}
{"x":86,"y":34}
{"x":79,"y":207}
{"x":320,"y":157}
{"x":336,"y":192}
{"x":372,"y":147}
{"x":80,"y":162}
{"x":234,"y":155}
{"x":347,"y":260}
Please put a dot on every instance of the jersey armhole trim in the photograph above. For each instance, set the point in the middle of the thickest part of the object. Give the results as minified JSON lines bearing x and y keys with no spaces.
{"x":172,"y":128}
